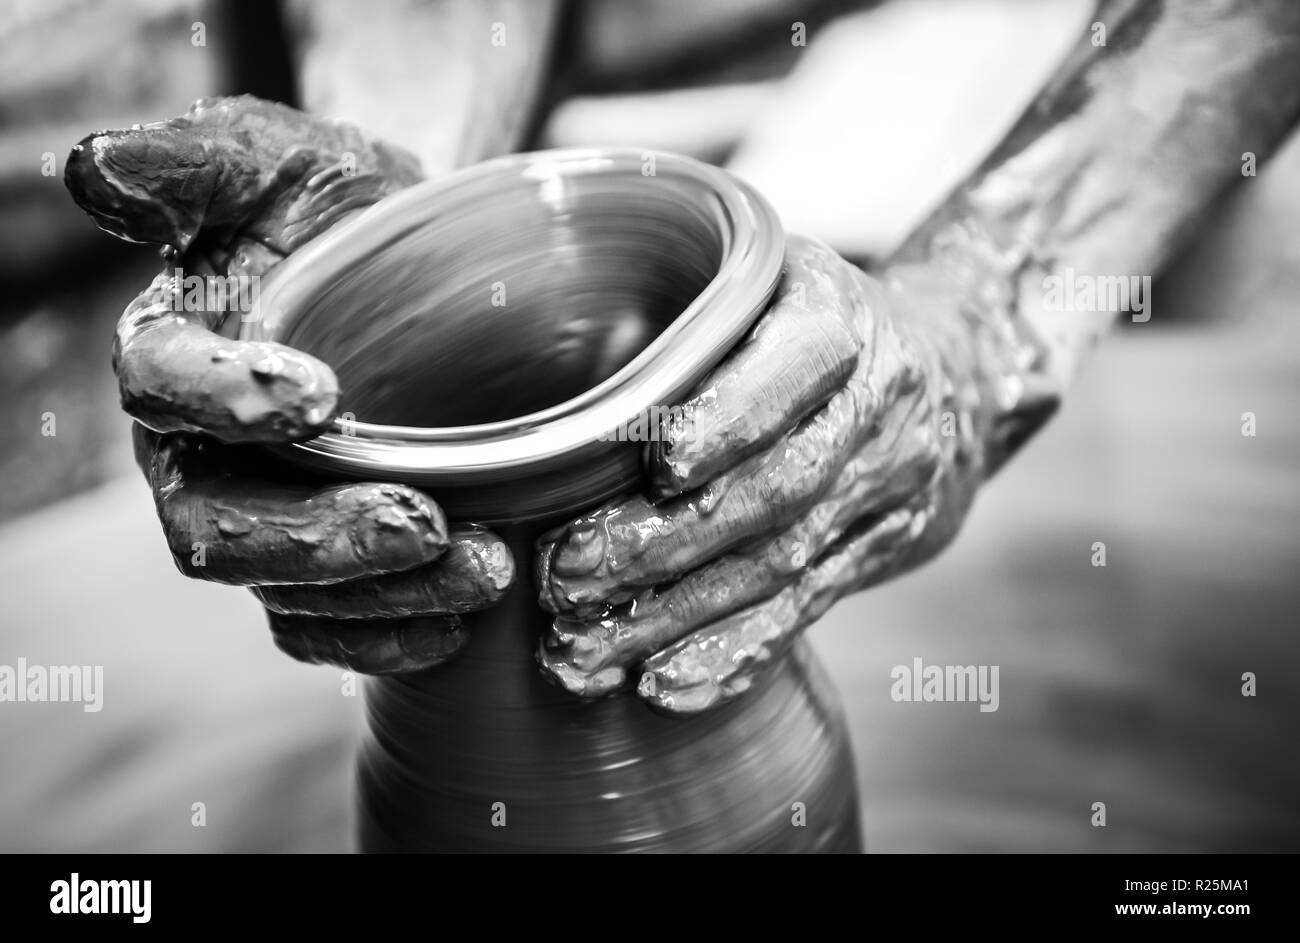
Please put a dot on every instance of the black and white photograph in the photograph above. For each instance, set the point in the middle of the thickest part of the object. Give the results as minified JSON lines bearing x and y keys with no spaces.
{"x":650,"y":426}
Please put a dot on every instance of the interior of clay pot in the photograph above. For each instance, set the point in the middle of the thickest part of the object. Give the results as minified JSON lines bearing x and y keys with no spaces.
{"x":494,"y":329}
{"x":512,"y":299}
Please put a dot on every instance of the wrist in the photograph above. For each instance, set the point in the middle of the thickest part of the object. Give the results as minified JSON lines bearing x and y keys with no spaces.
{"x":986,"y":382}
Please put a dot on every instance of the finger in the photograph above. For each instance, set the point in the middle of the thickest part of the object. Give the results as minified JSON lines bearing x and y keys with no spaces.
{"x":369,"y":647}
{"x":175,"y":375}
{"x":592,"y":658}
{"x":232,"y":164}
{"x":800,"y":353}
{"x":721,"y":662}
{"x":475,"y":572}
{"x":607,"y":557}
{"x":224,"y":525}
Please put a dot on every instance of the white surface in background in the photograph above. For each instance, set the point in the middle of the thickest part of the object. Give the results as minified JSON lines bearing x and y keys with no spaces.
{"x":698,"y":122}
{"x":890,"y":108}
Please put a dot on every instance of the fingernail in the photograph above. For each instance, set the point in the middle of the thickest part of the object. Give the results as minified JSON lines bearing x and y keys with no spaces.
{"x":580,"y":552}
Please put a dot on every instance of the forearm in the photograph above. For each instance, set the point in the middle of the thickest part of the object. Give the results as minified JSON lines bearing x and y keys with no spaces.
{"x":455,"y":81}
{"x":1104,"y":178}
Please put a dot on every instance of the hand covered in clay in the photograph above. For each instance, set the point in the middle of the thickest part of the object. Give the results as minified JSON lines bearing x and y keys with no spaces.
{"x":841,"y":443}
{"x":232,"y":188}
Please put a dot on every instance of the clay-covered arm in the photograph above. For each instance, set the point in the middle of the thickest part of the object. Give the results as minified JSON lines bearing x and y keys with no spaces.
{"x":1104,"y":179}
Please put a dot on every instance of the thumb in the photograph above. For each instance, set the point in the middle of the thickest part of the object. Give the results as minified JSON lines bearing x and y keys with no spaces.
{"x":233,"y":166}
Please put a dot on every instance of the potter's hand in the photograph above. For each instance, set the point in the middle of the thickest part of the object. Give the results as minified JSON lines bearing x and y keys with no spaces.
{"x":840,"y":444}
{"x":234,"y":187}
{"x":934,"y":376}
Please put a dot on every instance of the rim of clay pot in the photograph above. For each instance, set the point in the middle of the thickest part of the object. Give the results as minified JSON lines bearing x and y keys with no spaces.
{"x":555,"y":459}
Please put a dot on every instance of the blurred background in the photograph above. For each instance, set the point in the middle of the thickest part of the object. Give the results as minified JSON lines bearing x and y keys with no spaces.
{"x":1119,"y":684}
